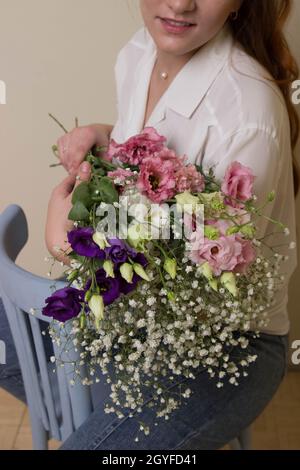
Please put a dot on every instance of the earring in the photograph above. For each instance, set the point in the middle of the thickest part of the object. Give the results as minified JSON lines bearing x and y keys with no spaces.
{"x":234,"y":15}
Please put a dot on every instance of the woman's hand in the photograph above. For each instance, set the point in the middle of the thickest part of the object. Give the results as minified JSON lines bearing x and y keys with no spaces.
{"x":73,"y":146}
{"x":59,"y":206}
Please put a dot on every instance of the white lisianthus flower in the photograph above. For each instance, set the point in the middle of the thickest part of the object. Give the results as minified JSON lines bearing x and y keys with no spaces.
{"x":187,"y":202}
{"x":137,"y":233}
{"x":159,"y":217}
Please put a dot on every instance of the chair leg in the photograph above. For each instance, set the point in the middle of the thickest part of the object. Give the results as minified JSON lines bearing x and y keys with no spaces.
{"x":245,"y":439}
{"x":235,"y":444}
{"x":39,"y":433}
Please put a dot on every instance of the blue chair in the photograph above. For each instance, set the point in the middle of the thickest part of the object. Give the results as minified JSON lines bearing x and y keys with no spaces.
{"x":56,"y":408}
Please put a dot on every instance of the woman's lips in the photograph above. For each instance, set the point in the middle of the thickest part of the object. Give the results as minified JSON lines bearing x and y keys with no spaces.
{"x":175,"y":27}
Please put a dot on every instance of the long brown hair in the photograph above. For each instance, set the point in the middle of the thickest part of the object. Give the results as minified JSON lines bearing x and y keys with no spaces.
{"x":259,"y":28}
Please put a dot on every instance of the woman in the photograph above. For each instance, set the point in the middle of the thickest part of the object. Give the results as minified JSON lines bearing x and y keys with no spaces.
{"x":217,"y":87}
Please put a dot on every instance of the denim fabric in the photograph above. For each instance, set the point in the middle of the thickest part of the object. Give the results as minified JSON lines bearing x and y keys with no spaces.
{"x":209,"y":419}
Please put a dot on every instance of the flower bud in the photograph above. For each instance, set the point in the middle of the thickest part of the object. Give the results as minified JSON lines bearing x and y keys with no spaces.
{"x":87,"y":296}
{"x":73,"y":275}
{"x":100,"y":240}
{"x":232,"y":230}
{"x":271,"y":196}
{"x":170,"y":266}
{"x":82,"y":321}
{"x":139,"y":270}
{"x":213,"y":284}
{"x":96,"y":305}
{"x":126,"y":271}
{"x":248,"y":230}
{"x":137,"y":234}
{"x":229,"y":282}
{"x":108,"y":267}
{"x":171,"y":296}
{"x":206,"y":270}
{"x":211,"y":232}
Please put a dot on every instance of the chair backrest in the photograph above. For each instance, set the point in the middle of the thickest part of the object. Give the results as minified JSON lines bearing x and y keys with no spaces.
{"x":22,"y":291}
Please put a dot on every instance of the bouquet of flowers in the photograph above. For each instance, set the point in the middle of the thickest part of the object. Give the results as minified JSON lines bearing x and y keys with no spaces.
{"x":166,"y":275}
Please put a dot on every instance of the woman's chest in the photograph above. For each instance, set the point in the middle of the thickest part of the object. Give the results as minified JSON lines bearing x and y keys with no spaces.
{"x":194,"y":137}
{"x":156,"y":93}
{"x":189,"y":135}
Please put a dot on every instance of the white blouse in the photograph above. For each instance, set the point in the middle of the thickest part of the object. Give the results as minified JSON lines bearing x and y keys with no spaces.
{"x":220,"y":107}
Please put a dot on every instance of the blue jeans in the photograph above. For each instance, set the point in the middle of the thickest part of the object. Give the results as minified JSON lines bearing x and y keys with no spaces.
{"x":209,"y":419}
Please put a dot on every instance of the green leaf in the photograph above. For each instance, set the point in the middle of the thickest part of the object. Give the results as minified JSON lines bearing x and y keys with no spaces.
{"x":82,"y":194}
{"x":106,"y":164}
{"x":99,"y":172}
{"x":76,"y":257}
{"x":107,"y":189}
{"x":79,"y":212}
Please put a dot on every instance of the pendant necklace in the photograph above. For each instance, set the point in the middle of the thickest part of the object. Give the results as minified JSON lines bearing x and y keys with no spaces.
{"x":164,"y":75}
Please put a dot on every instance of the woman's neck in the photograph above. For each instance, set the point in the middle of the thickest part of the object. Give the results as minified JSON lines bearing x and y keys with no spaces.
{"x":171,"y":63}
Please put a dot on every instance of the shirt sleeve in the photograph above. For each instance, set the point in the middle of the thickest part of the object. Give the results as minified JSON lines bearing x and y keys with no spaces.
{"x":259,"y":150}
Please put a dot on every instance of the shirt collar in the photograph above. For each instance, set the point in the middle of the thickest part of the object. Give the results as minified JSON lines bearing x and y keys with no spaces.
{"x":190,"y":85}
{"x":195,"y":78}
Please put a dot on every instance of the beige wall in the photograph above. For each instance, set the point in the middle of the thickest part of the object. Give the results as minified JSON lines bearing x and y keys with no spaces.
{"x":57,"y":56}
{"x":293,"y":34}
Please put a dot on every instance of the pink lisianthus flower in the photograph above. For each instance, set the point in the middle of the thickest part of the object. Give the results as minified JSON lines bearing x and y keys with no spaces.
{"x":240,"y":215}
{"x":189,"y":179}
{"x":157,"y":179}
{"x":122,"y":178}
{"x":227,"y":253}
{"x":247,"y":257}
{"x":120,"y":174}
{"x":237,"y":184}
{"x":221,"y":224}
{"x":138,"y":147}
{"x":178,"y":162}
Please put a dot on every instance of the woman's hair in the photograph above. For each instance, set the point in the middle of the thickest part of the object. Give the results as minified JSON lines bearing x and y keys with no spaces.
{"x":259,"y":28}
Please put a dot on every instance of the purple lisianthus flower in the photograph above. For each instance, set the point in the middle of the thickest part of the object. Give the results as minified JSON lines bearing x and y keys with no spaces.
{"x":140,"y":259}
{"x":81,"y":240}
{"x":64,"y":304}
{"x":109,"y":287}
{"x":118,"y":251}
{"x":126,"y":287}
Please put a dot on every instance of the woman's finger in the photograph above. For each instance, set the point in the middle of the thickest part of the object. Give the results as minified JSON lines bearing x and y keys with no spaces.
{"x":66,"y":186}
{"x":70,"y":182}
{"x":63,"y":145}
{"x":84,"y":173}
